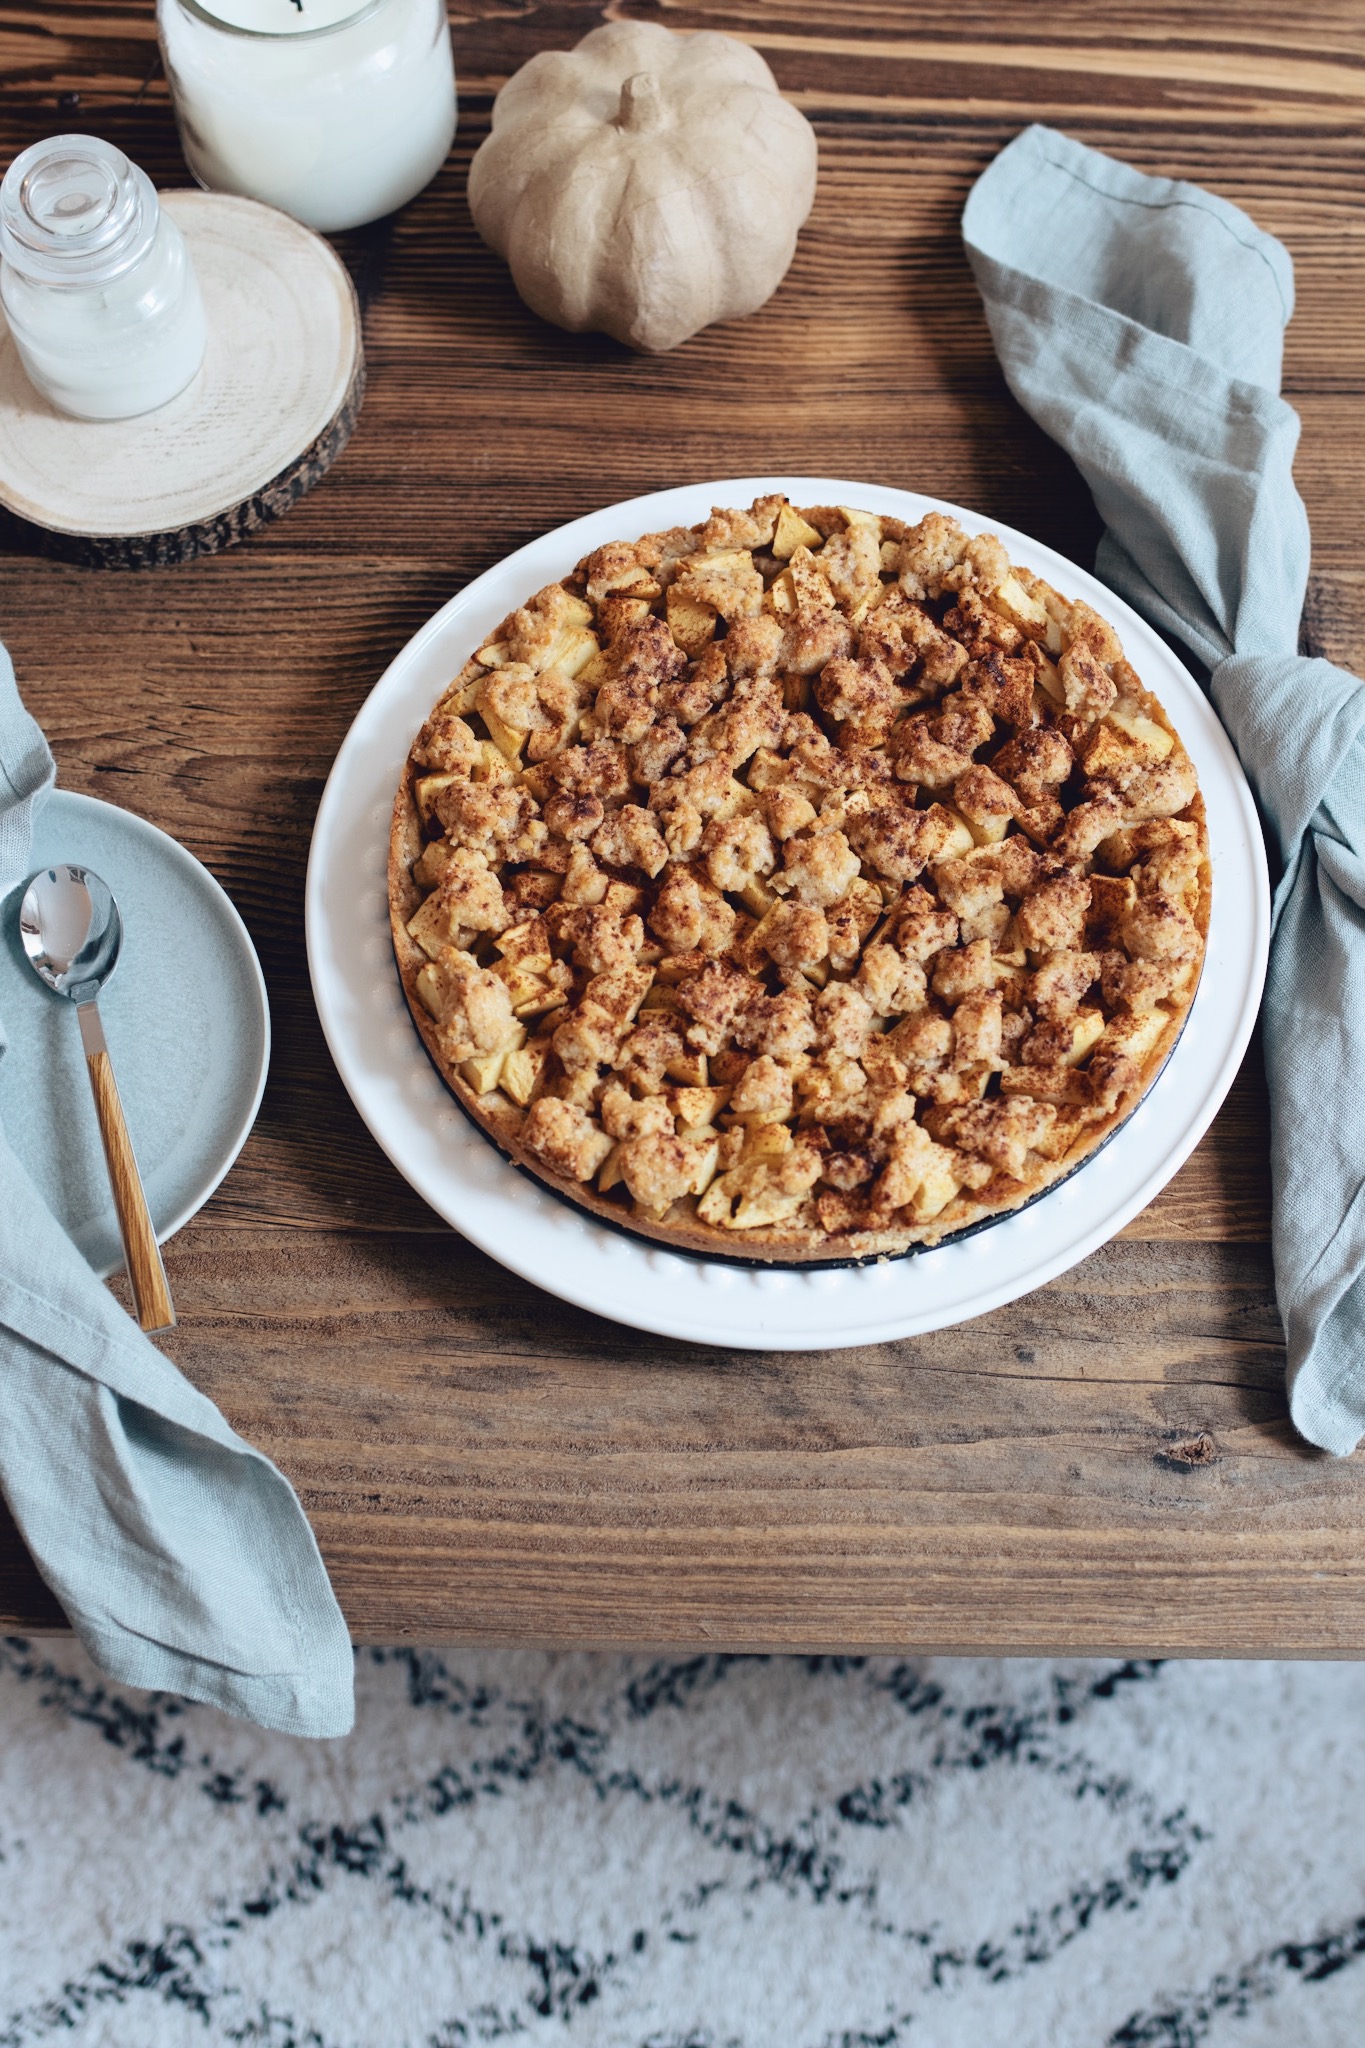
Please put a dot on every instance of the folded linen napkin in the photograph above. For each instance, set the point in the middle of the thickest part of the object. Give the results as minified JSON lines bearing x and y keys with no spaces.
{"x":1140,"y":321}
{"x":180,"y":1554}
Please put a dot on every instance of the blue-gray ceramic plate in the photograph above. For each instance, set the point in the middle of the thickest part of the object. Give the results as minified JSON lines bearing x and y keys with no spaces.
{"x":185,"y":1014}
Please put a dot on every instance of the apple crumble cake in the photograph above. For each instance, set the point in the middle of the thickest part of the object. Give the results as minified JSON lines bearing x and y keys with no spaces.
{"x":804,"y":885}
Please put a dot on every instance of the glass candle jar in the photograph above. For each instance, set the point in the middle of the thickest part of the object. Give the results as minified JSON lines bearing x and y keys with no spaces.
{"x":96,"y":281}
{"x":332,"y":112}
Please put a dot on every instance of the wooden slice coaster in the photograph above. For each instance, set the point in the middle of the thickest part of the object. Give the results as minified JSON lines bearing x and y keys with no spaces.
{"x":268,"y":414}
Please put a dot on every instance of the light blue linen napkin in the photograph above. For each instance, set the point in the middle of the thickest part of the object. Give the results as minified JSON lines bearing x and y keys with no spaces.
{"x":1141,"y":322}
{"x":180,"y":1554}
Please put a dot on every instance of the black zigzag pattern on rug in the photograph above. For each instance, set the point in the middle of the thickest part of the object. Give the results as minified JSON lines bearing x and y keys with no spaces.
{"x":515,"y":1742}
{"x":1187,"y":2020}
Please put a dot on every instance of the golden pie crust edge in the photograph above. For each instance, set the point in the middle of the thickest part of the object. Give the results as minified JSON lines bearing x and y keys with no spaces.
{"x":806,"y":1245}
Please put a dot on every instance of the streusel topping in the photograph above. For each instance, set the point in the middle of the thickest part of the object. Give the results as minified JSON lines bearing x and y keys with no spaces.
{"x":800,"y":882}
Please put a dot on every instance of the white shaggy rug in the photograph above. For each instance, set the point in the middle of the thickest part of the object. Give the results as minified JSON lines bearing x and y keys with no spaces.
{"x":699,"y":1852}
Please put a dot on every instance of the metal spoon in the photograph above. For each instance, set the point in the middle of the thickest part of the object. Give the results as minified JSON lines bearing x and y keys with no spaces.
{"x":71,"y":933}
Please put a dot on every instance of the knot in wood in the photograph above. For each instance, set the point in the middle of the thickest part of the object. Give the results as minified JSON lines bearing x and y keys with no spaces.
{"x":1195,"y":1450}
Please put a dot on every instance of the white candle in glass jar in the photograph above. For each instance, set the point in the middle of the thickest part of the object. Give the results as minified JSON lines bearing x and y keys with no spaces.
{"x":97,"y":284}
{"x":332,"y":112}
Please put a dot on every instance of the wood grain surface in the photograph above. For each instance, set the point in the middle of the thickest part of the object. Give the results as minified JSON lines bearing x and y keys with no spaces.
{"x":1105,"y":1465}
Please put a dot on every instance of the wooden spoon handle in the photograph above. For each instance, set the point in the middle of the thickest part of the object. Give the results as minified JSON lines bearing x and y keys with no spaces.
{"x":155,"y":1310}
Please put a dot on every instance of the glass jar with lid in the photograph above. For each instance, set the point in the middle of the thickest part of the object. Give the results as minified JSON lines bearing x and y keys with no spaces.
{"x":96,"y":281}
{"x":337,"y":111}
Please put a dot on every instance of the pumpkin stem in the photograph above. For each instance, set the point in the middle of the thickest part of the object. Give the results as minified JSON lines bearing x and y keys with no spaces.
{"x":641,"y":107}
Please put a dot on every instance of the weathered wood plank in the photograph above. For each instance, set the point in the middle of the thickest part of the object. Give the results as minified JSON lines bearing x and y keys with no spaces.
{"x":482,"y":1465}
{"x":1104,"y":1465}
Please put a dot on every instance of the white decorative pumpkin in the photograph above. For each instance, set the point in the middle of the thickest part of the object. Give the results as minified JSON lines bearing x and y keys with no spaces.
{"x":645,"y":183}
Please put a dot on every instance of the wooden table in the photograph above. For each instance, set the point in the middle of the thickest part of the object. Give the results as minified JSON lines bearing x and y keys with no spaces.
{"x":1105,"y":1465}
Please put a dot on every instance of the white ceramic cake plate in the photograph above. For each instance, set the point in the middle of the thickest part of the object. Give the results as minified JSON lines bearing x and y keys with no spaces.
{"x":459,"y":1171}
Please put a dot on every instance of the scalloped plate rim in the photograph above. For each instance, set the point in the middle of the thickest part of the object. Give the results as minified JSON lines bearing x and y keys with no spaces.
{"x":472,"y":1186}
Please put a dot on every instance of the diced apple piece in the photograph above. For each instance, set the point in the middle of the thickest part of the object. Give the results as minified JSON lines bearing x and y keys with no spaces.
{"x":609,"y":1174}
{"x":1111,"y":897}
{"x":521,"y":1071}
{"x":620,"y":612}
{"x":1049,"y":676}
{"x":540,"y":1005}
{"x":853,"y":517}
{"x":696,"y":1107}
{"x":707,"y":1166}
{"x":691,"y":621}
{"x":432,"y":927}
{"x":688,"y":1067}
{"x":1108,"y":751}
{"x":726,"y":561}
{"x":427,"y":788}
{"x":528,"y":990}
{"x":622,"y":898}
{"x":463,"y":693}
{"x":574,"y":654}
{"x":484,"y":1071}
{"x":766,"y":1141}
{"x":493,"y":765}
{"x":793,"y":532}
{"x":592,"y":676}
{"x":429,"y":992}
{"x":1154,"y":740}
{"x":810,"y":590}
{"x":508,"y":741}
{"x":963,"y":838}
{"x":1014,"y":601}
{"x":764,"y":1205}
{"x":1086,"y":1032}
{"x":1135,"y":1033}
{"x":438,"y":983}
{"x":782,"y":594}
{"x":633,"y":580}
{"x":736,"y":798}
{"x":493,"y":655}
{"x":988,"y":830}
{"x":527,"y":945}
{"x":756,"y":898}
{"x":432,"y":863}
